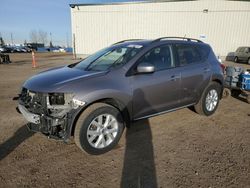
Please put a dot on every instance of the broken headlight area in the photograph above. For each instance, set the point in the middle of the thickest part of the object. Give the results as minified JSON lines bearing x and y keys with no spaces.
{"x":56,"y":98}
{"x":55,"y":112}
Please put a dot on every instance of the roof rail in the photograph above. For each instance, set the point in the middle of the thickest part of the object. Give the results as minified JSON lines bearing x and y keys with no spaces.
{"x":183,"y":38}
{"x":126,"y":41}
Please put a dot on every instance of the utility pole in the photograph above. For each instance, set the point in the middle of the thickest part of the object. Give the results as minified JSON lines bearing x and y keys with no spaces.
{"x":67,"y":40}
{"x":74,"y":45}
{"x":50,"y":44}
{"x":11,"y":37}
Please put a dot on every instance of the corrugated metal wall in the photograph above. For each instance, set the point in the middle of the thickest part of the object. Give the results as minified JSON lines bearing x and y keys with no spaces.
{"x":225,"y":26}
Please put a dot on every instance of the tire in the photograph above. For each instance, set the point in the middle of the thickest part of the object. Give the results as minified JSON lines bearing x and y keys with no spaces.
{"x":213,"y":88}
{"x":226,"y":93}
{"x":248,"y":99}
{"x":236,"y":60}
{"x":235,"y":93}
{"x":87,"y":123}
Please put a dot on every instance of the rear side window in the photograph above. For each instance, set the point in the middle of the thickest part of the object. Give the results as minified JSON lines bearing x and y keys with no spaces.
{"x":189,"y":54}
{"x":246,"y":50}
{"x":238,"y":49}
{"x":241,"y":50}
{"x":204,"y":51}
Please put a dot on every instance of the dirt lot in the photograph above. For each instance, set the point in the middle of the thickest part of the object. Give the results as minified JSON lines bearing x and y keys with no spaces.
{"x":178,"y":149}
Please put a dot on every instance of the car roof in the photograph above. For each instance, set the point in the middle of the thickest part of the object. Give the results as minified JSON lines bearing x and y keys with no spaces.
{"x":244,"y":47}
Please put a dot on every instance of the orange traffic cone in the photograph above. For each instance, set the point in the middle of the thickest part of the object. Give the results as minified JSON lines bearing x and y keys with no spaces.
{"x":33,"y":59}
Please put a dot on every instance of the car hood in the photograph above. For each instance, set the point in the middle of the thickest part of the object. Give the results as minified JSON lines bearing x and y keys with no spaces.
{"x":58,"y":79}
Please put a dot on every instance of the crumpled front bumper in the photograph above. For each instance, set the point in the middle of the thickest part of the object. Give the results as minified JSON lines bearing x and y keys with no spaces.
{"x":30,"y":117}
{"x":56,"y":128}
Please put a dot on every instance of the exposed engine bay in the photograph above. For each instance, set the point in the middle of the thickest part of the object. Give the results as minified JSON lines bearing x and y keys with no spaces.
{"x":49,"y":113}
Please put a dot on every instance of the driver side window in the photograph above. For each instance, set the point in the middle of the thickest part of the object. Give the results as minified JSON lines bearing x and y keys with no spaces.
{"x":160,"y":57}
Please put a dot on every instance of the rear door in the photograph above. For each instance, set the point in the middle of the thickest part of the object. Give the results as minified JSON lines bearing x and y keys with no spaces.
{"x":195,"y":71}
{"x":241,"y":53}
{"x":158,"y":91}
{"x":245,"y":54}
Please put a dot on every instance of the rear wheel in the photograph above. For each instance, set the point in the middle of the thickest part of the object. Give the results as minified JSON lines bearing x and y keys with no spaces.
{"x":209,"y":100}
{"x":235,"y":93}
{"x":98,"y":129}
{"x":248,"y":99}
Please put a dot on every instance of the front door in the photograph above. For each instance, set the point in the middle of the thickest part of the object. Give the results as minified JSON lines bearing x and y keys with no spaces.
{"x":158,"y":91}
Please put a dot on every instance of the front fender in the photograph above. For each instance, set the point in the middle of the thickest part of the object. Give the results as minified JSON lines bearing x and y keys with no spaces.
{"x":96,"y":96}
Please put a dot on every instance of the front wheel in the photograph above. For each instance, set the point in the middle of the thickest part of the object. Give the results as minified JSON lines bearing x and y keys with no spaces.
{"x":209,"y":100}
{"x":98,"y":129}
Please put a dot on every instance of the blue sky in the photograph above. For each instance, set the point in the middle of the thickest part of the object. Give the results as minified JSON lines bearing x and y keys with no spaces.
{"x":19,"y":17}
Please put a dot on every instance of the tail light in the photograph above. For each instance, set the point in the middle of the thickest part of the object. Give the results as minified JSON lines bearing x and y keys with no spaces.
{"x":223,"y":67}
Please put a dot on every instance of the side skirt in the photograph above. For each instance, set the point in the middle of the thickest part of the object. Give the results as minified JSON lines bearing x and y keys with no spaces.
{"x":163,"y":112}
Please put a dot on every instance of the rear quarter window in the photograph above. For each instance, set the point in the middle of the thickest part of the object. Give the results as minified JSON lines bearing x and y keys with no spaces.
{"x":204,"y":51}
{"x":189,"y":54}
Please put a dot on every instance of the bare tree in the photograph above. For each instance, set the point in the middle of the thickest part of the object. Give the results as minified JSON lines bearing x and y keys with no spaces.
{"x":34,"y":36}
{"x":42,"y":37}
{"x":2,"y":43}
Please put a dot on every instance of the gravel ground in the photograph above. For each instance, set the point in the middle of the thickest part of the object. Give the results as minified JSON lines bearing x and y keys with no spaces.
{"x":178,"y":149}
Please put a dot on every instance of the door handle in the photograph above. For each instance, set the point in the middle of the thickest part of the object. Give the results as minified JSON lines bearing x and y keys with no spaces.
{"x":175,"y":77}
{"x":206,"y":69}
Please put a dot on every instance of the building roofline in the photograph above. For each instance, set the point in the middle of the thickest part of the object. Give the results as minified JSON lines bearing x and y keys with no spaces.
{"x":73,"y":5}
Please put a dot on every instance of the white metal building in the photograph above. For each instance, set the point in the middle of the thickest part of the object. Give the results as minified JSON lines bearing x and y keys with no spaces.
{"x":225,"y":25}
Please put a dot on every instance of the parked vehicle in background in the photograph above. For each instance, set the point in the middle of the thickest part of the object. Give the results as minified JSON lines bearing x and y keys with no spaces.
{"x":15,"y":49}
{"x":21,"y":49}
{"x":94,"y":99}
{"x":1,"y":49}
{"x":7,"y":49}
{"x":242,"y":54}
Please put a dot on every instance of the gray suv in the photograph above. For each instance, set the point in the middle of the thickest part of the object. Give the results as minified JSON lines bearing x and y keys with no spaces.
{"x":242,"y":54}
{"x":95,"y":99}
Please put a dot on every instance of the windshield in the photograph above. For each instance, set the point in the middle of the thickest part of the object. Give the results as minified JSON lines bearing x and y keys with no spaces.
{"x":109,"y":57}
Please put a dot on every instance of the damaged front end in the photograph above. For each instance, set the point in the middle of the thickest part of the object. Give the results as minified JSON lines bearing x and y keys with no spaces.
{"x":49,"y":113}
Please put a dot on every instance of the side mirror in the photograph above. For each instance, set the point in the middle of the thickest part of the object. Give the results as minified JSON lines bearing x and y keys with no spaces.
{"x":145,"y":68}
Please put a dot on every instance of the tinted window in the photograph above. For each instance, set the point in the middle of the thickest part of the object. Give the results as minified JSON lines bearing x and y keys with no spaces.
{"x":188,"y":54}
{"x":246,"y":50}
{"x":238,"y":49}
{"x":241,"y":50}
{"x":161,"y":57}
{"x":204,"y":51}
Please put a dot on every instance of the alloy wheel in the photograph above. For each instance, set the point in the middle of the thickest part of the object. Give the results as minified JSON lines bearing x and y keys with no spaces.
{"x":102,"y":131}
{"x":211,"y":100}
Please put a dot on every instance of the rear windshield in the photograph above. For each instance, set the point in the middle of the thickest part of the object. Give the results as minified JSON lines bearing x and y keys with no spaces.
{"x":109,"y":58}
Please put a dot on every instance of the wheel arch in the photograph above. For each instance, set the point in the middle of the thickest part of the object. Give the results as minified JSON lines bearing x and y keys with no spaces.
{"x":111,"y":101}
{"x":216,"y":80}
